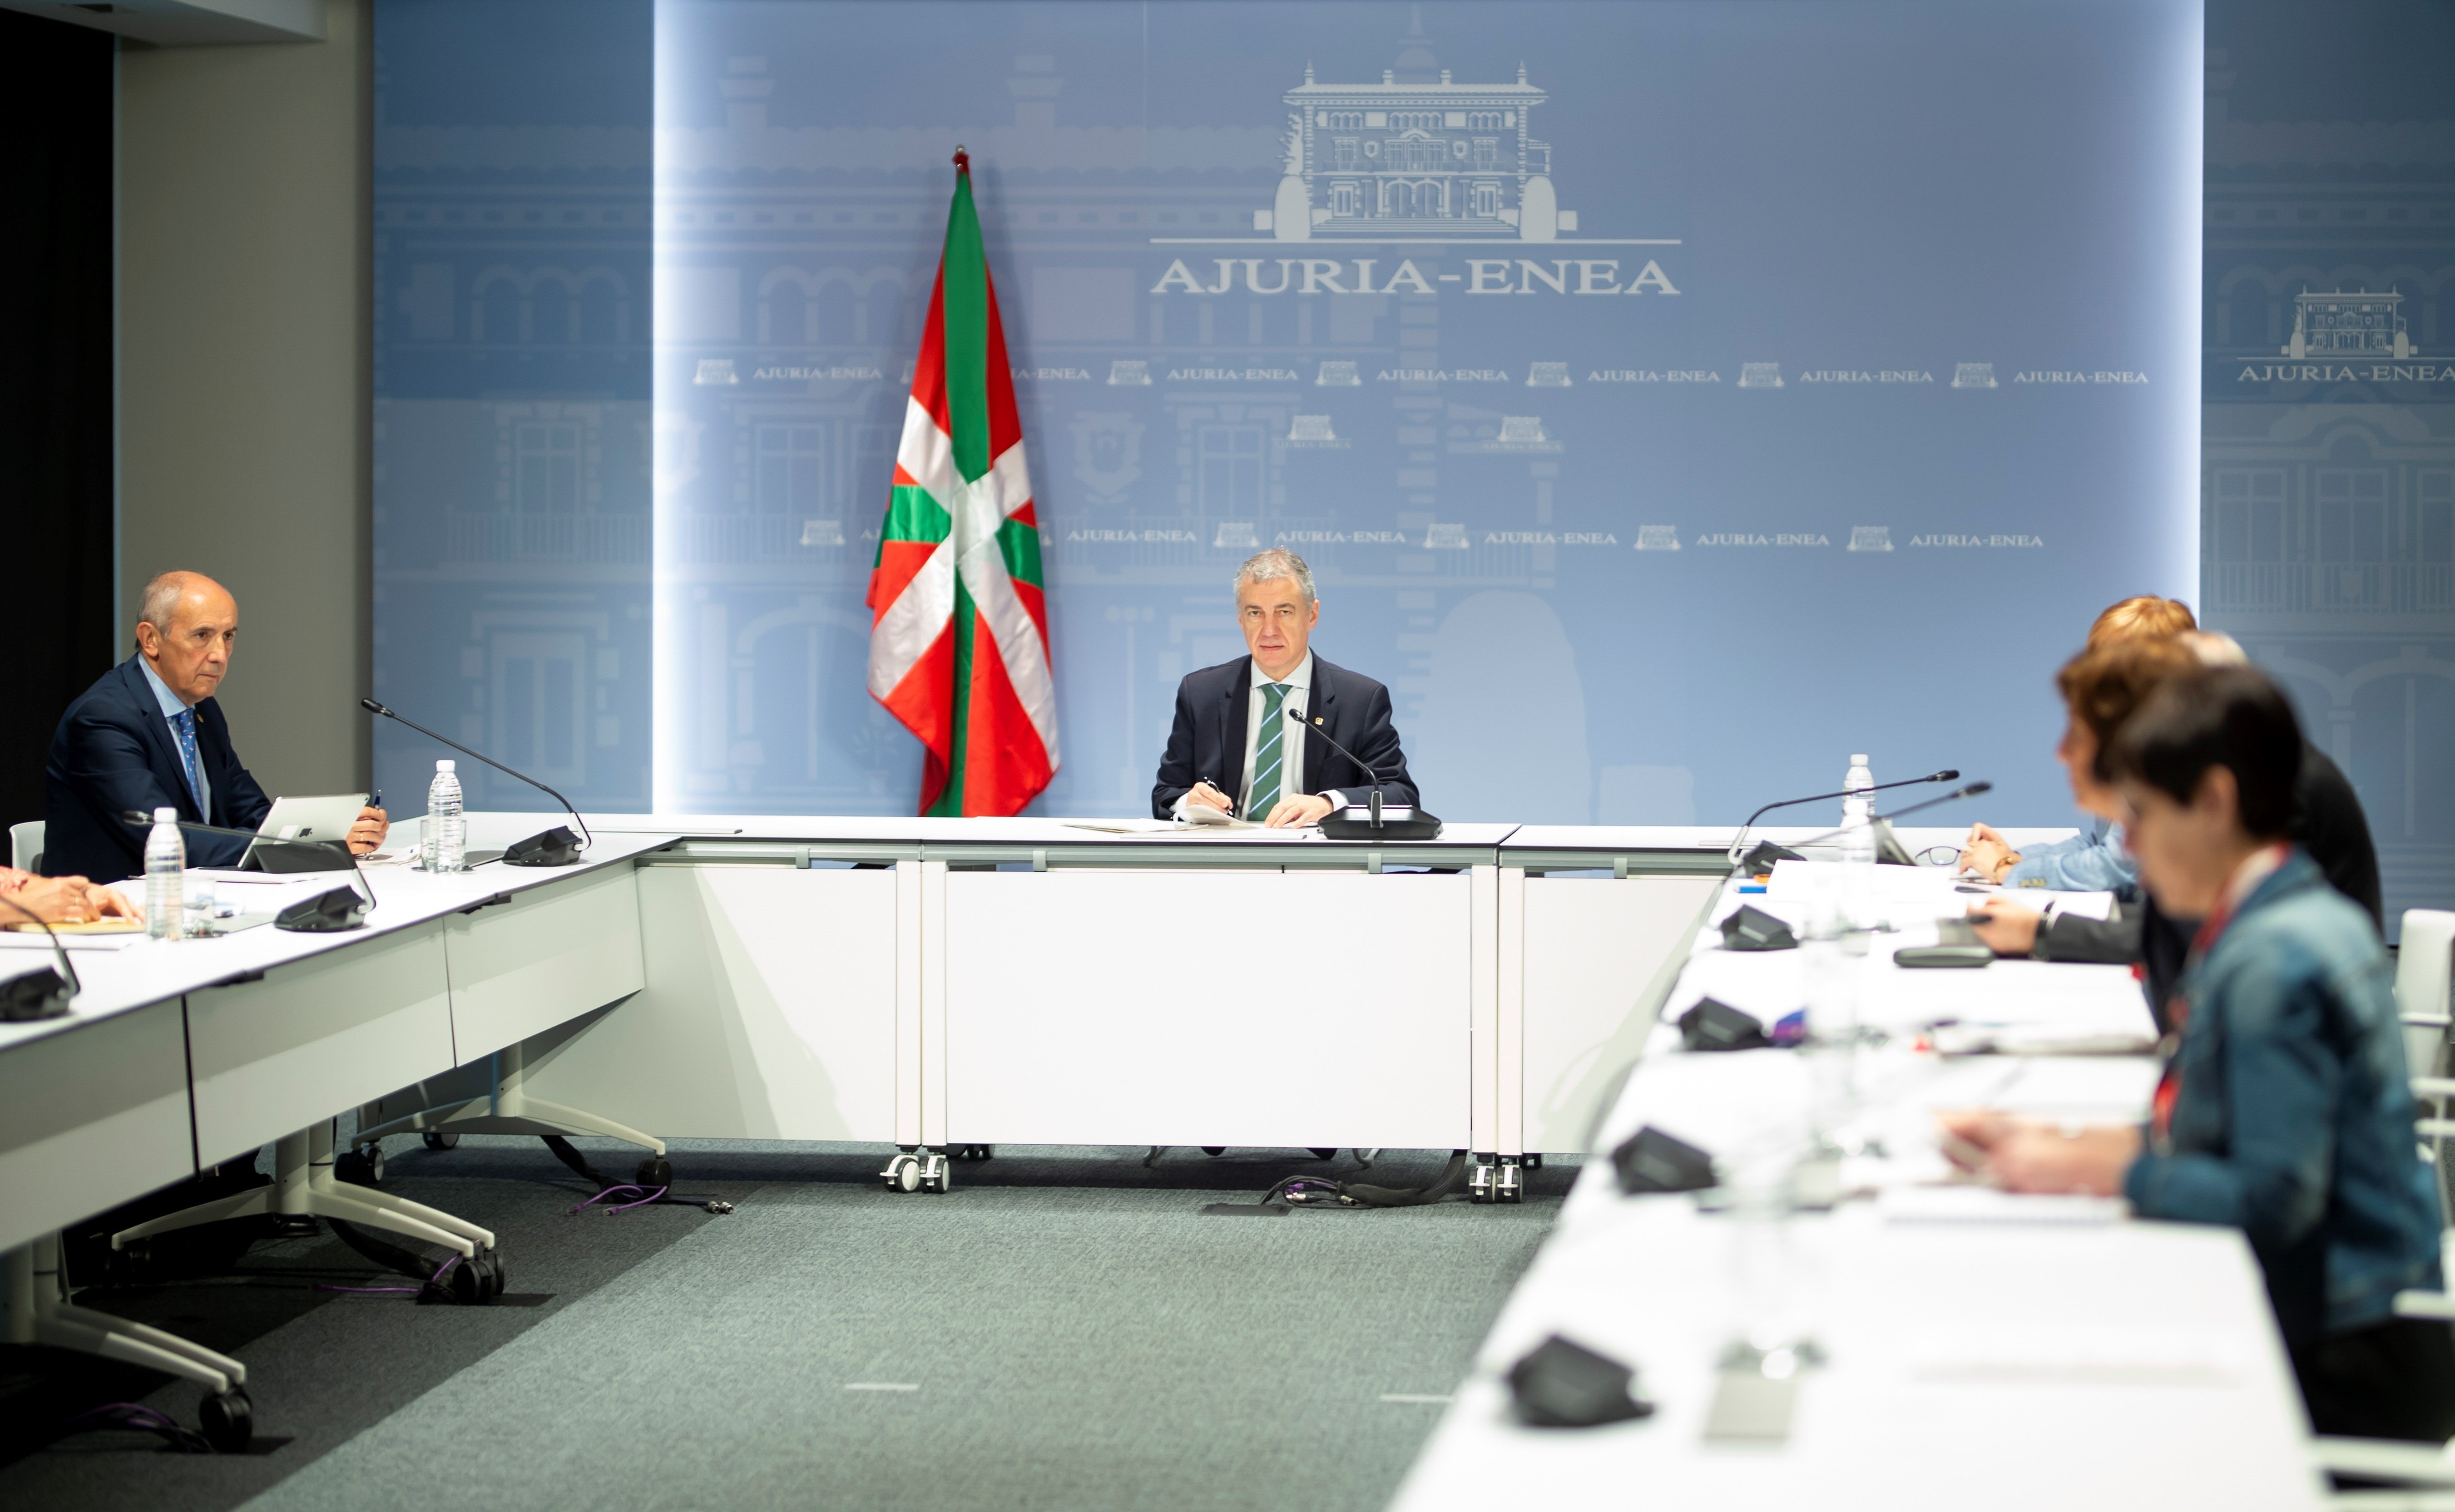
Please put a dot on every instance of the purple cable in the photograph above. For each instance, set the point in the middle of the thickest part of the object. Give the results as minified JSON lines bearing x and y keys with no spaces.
{"x":126,"y":1409}
{"x":137,"y":1415}
{"x":648,"y":1195}
{"x":436,"y":1279}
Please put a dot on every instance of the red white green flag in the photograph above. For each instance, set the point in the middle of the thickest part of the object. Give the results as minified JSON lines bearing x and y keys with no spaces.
{"x":959,"y":633}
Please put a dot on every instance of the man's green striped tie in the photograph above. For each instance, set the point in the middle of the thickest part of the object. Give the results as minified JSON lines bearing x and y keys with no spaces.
{"x":1267,"y":750}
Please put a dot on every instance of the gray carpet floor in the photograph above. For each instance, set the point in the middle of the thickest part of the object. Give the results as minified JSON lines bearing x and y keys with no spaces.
{"x":1065,"y":1330}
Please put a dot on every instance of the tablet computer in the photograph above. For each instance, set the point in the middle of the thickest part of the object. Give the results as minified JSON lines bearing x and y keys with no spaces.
{"x":325,"y":820}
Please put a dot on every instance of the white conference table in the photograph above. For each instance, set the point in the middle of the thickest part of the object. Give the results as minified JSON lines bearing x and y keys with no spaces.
{"x":1998,"y":1352}
{"x":936,"y":983}
{"x":891,"y":981}
{"x":180,"y":1055}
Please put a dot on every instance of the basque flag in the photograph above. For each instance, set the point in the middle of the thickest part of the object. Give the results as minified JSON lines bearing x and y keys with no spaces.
{"x":958,"y":632}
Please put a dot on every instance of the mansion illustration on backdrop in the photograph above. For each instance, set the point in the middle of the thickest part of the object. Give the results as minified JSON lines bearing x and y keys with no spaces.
{"x":1416,"y":154}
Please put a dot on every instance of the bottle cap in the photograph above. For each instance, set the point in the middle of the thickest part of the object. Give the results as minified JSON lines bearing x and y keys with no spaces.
{"x":442,"y":766}
{"x":1857,"y":761}
{"x":166,"y":815}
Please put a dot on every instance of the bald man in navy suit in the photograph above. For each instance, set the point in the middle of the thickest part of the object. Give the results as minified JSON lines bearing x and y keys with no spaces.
{"x":148,"y":734}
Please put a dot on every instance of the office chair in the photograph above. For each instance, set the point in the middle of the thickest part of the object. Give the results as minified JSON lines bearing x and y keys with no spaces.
{"x":2412,"y":1477}
{"x":26,"y":845}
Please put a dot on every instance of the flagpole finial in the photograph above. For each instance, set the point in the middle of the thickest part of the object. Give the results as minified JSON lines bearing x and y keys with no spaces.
{"x":963,"y":159}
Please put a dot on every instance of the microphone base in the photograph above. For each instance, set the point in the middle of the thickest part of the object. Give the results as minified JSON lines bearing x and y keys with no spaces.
{"x":327,"y":913}
{"x":554,"y":847}
{"x":32,"y":995}
{"x":1397,"y":823}
{"x":1765,"y":853}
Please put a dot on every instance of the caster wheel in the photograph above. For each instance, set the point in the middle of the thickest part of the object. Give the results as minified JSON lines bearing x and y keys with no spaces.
{"x":360,"y":1167}
{"x":1478,"y":1185}
{"x":442,"y":1140}
{"x":937,"y":1173}
{"x":654,"y":1172}
{"x":470,"y":1284}
{"x":903,"y":1174}
{"x":1505,"y":1187}
{"x":228,"y":1420}
{"x":1214,"y":1151}
{"x":969,"y":1152}
{"x":1320,"y":1153}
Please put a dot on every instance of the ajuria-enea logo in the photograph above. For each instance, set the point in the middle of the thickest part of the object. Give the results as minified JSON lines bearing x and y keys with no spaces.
{"x":1417,"y":160}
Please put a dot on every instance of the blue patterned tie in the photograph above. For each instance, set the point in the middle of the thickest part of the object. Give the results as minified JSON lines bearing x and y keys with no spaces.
{"x":1269,"y":752}
{"x":184,"y":726}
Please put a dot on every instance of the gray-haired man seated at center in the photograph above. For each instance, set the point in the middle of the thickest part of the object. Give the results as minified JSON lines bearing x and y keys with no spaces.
{"x":1234,"y":748}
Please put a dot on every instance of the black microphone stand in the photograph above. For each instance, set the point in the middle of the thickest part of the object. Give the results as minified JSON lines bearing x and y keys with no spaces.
{"x":1947,"y":775}
{"x":554,"y":847}
{"x":1970,"y":791}
{"x":1418,"y":825}
{"x":32,"y":994}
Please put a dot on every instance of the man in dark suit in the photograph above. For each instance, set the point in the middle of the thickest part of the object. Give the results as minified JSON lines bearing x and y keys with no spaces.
{"x":148,"y":734}
{"x":1234,"y":748}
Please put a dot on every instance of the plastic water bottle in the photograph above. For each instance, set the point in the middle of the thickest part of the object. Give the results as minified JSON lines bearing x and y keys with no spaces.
{"x":166,"y":878}
{"x":1857,"y":784}
{"x":446,"y":832}
{"x":1858,"y":844}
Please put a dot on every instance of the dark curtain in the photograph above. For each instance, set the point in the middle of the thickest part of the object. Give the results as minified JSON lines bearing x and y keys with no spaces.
{"x":56,"y":385}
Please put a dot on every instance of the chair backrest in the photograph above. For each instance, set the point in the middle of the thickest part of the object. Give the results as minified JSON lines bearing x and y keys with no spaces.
{"x":26,"y":845}
{"x":2424,"y":979}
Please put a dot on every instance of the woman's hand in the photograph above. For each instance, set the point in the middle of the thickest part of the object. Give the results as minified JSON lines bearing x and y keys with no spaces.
{"x":73,"y":900}
{"x":1987,"y":853}
{"x":2023,"y":1156}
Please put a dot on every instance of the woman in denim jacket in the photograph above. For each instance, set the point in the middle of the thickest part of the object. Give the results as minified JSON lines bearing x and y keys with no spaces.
{"x":2284,"y":1110}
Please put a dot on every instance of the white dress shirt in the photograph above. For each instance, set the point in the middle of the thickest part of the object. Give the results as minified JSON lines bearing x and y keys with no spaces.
{"x":1291,"y":744}
{"x":172,"y":706}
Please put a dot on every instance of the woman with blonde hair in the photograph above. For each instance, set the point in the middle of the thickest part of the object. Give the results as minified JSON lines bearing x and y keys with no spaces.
{"x":2093,"y":860}
{"x":2145,"y":615}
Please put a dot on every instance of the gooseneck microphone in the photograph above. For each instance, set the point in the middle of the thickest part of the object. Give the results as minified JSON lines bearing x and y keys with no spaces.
{"x":554,"y":847}
{"x":326,"y":912}
{"x":1314,"y":727}
{"x":1418,"y":825}
{"x":1970,"y":791}
{"x":43,"y":993}
{"x":1947,"y":775}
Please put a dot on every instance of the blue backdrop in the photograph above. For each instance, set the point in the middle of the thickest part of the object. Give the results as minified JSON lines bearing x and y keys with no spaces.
{"x":1672,"y":399}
